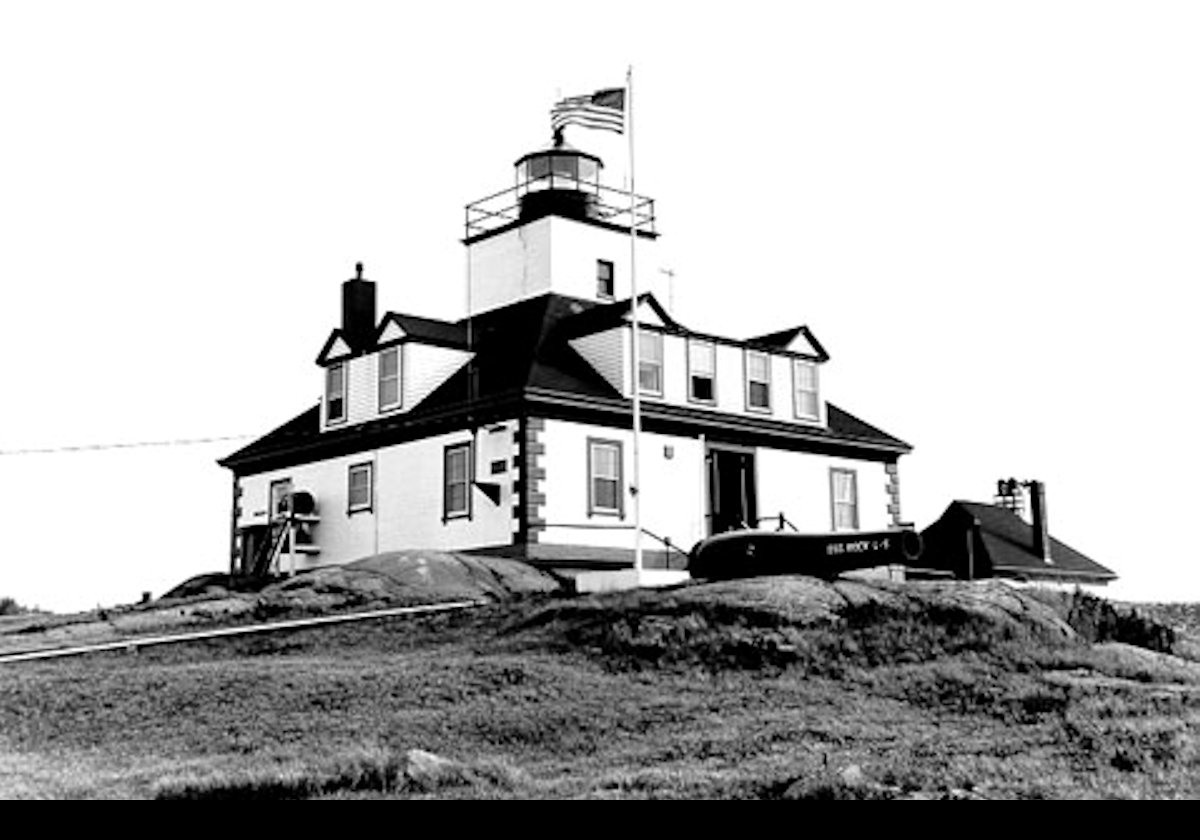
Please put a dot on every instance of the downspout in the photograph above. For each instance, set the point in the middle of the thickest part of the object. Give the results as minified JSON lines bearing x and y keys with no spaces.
{"x":971,"y":534}
{"x":703,"y":485}
{"x":233,"y":529}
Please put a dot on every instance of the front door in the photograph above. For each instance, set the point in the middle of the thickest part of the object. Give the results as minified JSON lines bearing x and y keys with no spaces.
{"x":731,"y":498}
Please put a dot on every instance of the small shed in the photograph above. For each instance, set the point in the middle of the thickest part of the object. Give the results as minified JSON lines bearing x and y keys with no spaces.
{"x":977,"y":540}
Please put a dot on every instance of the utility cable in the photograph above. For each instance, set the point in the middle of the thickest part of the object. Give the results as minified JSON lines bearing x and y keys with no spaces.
{"x":95,"y":447}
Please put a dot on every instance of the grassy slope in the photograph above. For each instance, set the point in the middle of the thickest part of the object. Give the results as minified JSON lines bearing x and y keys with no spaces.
{"x":697,"y":693}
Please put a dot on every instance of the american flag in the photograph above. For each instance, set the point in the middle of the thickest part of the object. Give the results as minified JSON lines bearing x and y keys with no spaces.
{"x":603,"y":109}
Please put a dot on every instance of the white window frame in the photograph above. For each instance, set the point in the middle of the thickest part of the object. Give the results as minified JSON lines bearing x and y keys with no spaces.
{"x":750,"y":380}
{"x":700,"y":344}
{"x":279,"y":497}
{"x":594,"y":508}
{"x":655,"y":338}
{"x":468,"y":449}
{"x":368,"y":504}
{"x":800,"y":393}
{"x":601,"y":291}
{"x":844,"y":511}
{"x":338,"y":368}
{"x":397,"y":377}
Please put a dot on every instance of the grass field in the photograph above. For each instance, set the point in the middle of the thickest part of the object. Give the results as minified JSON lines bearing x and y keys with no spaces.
{"x":700,"y":692}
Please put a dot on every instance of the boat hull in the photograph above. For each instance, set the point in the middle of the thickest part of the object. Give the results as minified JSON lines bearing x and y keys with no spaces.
{"x":738,"y":554}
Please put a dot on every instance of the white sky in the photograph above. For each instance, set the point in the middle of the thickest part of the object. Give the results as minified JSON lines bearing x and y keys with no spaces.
{"x":987,"y":212}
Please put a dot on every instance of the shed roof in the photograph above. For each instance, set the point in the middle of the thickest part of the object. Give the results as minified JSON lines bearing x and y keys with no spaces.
{"x":1008,"y":541}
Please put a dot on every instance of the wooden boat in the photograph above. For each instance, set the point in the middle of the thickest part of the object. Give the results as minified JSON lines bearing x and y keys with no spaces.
{"x":749,"y":553}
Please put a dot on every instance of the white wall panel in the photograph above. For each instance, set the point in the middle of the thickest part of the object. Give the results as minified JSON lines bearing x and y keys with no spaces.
{"x":797,"y":484}
{"x":672,"y":497}
{"x":411,"y":495}
{"x":407,"y":510}
{"x":509,"y":266}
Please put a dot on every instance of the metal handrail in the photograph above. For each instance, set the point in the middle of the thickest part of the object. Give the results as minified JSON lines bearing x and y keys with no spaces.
{"x":612,"y":205}
{"x":670,"y":546}
{"x":665,"y":541}
{"x":781,"y":519}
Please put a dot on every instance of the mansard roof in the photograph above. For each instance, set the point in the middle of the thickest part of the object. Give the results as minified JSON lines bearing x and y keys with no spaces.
{"x":523,"y":365}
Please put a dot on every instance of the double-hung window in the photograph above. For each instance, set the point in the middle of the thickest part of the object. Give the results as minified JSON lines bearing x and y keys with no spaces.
{"x":702,"y":371}
{"x":361,"y":490}
{"x":804,"y":374}
{"x":650,"y":362}
{"x":456,"y":486}
{"x":758,"y":381}
{"x":335,"y":393}
{"x":605,"y":280}
{"x":605,"y":480}
{"x":843,"y":490}
{"x":280,"y":498}
{"x":389,"y":378}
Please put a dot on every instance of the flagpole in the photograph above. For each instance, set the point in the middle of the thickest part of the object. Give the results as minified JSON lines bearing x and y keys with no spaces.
{"x":637,"y":369}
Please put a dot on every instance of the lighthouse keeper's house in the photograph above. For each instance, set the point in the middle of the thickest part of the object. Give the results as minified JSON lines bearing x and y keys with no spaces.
{"x":509,"y":430}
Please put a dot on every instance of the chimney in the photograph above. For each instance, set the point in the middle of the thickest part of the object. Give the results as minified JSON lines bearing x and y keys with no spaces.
{"x":1041,"y":531}
{"x":358,"y":311}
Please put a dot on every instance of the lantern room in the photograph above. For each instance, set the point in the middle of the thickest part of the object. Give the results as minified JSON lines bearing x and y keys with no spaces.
{"x":561,"y":180}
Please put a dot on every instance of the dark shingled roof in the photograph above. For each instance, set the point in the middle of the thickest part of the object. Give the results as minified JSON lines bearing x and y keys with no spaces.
{"x":782,"y":340}
{"x":1005,"y":547}
{"x":600,"y":317}
{"x":524,"y":364}
{"x":429,"y":330}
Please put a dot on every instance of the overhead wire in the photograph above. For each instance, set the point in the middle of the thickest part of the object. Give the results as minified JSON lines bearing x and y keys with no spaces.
{"x":96,"y":447}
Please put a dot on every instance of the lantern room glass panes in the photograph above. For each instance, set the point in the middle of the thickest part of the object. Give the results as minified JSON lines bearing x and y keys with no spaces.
{"x":589,"y":172}
{"x":564,"y":167}
{"x":538,"y":167}
{"x":560,"y":172}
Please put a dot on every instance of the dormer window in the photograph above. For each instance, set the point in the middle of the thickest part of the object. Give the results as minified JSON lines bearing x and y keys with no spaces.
{"x":804,"y":375}
{"x":650,"y":363}
{"x":605,"y":286}
{"x":702,"y":371}
{"x":389,"y":378}
{"x":335,"y":393}
{"x":758,"y":381}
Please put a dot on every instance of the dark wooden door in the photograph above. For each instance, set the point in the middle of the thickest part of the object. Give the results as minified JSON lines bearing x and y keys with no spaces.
{"x":732,"y":502}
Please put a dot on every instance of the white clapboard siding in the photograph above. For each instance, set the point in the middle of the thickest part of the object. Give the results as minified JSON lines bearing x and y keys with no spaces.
{"x":603,"y":351}
{"x":425,"y":368}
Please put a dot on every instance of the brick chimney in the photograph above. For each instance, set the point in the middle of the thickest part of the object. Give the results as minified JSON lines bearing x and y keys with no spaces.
{"x":1041,"y":531}
{"x":358,"y":311}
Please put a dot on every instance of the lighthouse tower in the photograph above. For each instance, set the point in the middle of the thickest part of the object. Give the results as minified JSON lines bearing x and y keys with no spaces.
{"x":558,"y":229}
